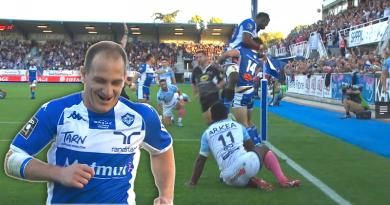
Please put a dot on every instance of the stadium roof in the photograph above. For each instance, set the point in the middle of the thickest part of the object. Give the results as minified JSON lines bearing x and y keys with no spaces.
{"x":26,"y":27}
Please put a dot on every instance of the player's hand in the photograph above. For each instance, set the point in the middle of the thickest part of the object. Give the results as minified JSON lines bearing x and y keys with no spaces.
{"x":133,"y":87}
{"x":162,"y":201}
{"x":76,"y":175}
{"x":190,"y":184}
{"x":125,"y":29}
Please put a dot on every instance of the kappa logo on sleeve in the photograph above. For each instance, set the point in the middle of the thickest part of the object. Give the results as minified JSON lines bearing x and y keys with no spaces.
{"x":29,"y":127}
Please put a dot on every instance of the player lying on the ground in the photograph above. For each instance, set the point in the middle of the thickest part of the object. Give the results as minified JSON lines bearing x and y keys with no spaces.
{"x":168,"y":100}
{"x":238,"y":159}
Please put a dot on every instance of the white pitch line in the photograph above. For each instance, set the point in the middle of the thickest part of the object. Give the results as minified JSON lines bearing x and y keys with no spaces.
{"x":11,"y":123}
{"x":314,"y":180}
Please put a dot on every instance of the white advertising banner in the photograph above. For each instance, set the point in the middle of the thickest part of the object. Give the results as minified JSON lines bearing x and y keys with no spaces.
{"x":314,"y":86}
{"x":369,"y":34}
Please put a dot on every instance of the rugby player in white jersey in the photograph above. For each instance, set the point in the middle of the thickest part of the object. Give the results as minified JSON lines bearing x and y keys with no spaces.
{"x":95,"y":138}
{"x":239,"y":160}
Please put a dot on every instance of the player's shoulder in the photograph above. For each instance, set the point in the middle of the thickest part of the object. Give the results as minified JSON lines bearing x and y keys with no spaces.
{"x":64,"y":102}
{"x":53,"y":109}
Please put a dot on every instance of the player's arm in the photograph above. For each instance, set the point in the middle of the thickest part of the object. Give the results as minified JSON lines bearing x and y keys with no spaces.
{"x":197,"y":171}
{"x":20,"y":162}
{"x":193,"y":86}
{"x":173,"y":79}
{"x":23,"y":166}
{"x":248,"y":41}
{"x":248,"y":143}
{"x":228,"y":54}
{"x":384,"y":75}
{"x":125,"y":36}
{"x":200,"y":161}
{"x":163,"y":168}
{"x":158,"y":142}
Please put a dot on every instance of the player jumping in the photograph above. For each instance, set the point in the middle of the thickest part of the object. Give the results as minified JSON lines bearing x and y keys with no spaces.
{"x":238,"y":159}
{"x":242,"y":105}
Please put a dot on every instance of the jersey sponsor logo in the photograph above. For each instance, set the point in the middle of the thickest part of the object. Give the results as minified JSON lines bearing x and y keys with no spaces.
{"x":128,"y":119}
{"x":204,"y":78}
{"x":249,"y":26}
{"x":102,"y":124}
{"x":247,"y":77}
{"x":29,"y":127}
{"x":127,"y":149}
{"x":72,"y":139}
{"x":76,"y":116}
{"x":222,"y":128}
{"x":127,"y":138}
{"x":105,"y":171}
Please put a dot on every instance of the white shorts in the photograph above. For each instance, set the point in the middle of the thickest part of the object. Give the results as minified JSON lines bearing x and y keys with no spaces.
{"x":240,"y":172}
{"x":244,"y":99}
{"x":168,"y":108}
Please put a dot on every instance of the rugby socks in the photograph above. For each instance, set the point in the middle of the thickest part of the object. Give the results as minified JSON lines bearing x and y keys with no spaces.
{"x":252,"y":131}
{"x":33,"y":94}
{"x":271,"y":162}
{"x":256,"y":135}
{"x":181,"y":113}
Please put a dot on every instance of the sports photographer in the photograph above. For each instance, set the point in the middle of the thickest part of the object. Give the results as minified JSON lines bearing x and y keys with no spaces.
{"x":352,"y":100}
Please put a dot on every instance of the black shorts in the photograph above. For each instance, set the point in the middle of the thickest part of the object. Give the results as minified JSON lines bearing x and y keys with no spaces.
{"x":208,"y":100}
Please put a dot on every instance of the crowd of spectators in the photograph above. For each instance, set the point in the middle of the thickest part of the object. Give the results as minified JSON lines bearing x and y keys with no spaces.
{"x":365,"y":12}
{"x":13,"y":53}
{"x":137,"y":52}
{"x":58,"y":55}
{"x":212,"y":50}
{"x":367,"y":62}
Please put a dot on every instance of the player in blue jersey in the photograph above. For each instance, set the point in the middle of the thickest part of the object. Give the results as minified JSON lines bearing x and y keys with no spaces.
{"x":168,"y":100}
{"x":166,"y":72}
{"x":247,"y":30}
{"x":32,"y":76}
{"x":144,"y":79}
{"x":95,"y":138}
{"x":238,"y":159}
{"x":242,"y":105}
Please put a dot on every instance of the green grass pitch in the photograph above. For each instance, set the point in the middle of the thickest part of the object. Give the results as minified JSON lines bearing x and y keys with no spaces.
{"x":357,"y":175}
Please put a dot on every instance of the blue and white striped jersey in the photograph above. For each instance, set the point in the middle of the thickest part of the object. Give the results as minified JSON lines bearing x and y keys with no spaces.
{"x":109,"y":143}
{"x":32,"y":73}
{"x":249,"y":61}
{"x":147,"y":75}
{"x":225,"y":139}
{"x":247,"y":26}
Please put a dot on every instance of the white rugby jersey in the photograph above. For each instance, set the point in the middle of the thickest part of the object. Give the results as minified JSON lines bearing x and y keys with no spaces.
{"x":225,"y":139}
{"x":109,"y":143}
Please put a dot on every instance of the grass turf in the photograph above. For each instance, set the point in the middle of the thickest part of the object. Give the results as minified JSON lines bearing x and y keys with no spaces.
{"x":357,"y":175}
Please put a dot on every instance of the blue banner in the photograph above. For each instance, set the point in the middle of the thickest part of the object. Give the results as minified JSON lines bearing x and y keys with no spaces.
{"x":337,"y":81}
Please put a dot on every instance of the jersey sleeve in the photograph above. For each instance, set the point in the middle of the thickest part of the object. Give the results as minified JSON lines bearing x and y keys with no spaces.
{"x":248,"y":26}
{"x":174,"y":88}
{"x":386,"y":66}
{"x":38,"y":131}
{"x":142,"y":68}
{"x":204,"y":146}
{"x":157,"y":139}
